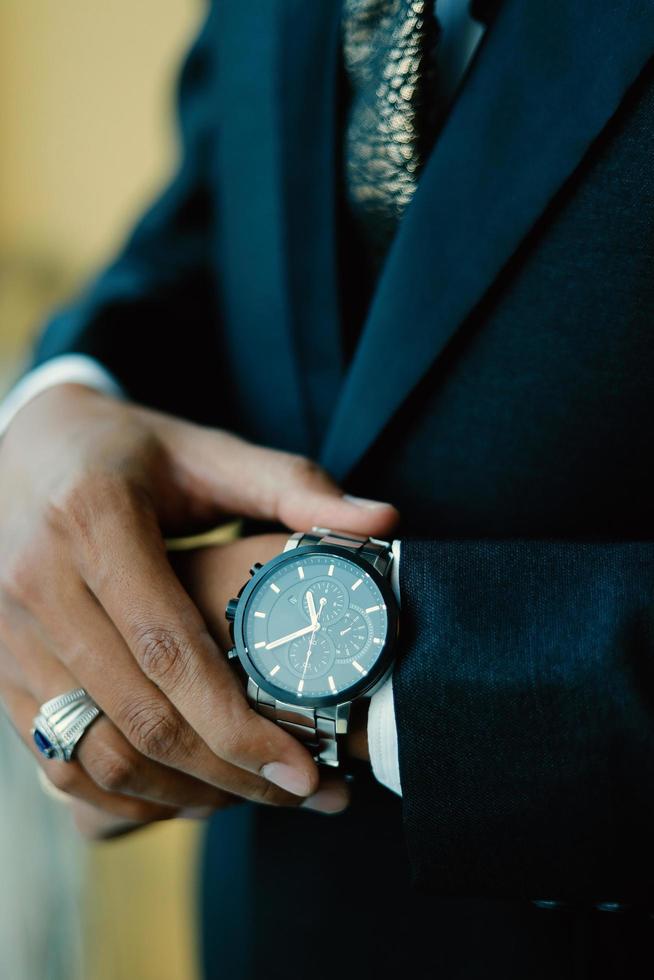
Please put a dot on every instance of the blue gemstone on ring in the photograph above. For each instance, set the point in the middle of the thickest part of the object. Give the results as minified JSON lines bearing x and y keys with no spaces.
{"x":43,"y":744}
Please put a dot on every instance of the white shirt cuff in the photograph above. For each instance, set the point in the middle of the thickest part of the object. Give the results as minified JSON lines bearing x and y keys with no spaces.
{"x":382,"y":729}
{"x":66,"y":369}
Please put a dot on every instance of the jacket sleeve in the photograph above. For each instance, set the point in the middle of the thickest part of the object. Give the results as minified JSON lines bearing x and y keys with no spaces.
{"x":524,"y":698}
{"x":151,"y":317}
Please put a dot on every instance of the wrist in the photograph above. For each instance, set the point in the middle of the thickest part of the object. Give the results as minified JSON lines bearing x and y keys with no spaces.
{"x":215,"y":574}
{"x":76,"y":369}
{"x":212,"y":575}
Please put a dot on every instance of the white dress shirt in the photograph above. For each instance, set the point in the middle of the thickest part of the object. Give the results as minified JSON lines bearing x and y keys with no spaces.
{"x":459,"y":38}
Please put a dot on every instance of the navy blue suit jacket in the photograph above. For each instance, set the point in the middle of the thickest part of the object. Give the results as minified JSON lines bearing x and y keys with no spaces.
{"x":501,"y":395}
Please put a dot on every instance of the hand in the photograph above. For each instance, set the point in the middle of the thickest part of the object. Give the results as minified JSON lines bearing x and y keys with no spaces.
{"x":211,"y":576}
{"x":88,"y":598}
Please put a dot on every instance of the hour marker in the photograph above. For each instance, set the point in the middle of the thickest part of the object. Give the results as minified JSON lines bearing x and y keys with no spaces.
{"x":330,"y":570}
{"x":358,"y":667}
{"x":376,"y":639}
{"x":356,"y":584}
{"x":274,"y":587}
{"x":372,"y":609}
{"x":300,"y":687}
{"x":300,"y":571}
{"x":274,"y":670}
{"x":331,"y":683}
{"x":260,"y":615}
{"x":257,"y":646}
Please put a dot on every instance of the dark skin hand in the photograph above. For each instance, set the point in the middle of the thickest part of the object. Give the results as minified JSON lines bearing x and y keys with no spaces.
{"x":212,"y":576}
{"x":88,"y":598}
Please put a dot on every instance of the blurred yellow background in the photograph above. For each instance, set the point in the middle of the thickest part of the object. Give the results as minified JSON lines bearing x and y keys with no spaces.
{"x":87,"y":137}
{"x":86,"y":92}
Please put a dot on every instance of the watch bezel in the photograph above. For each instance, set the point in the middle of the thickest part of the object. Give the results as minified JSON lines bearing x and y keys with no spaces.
{"x":359,"y":688}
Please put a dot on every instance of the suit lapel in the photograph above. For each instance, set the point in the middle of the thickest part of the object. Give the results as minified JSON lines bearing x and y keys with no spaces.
{"x":277,"y":65}
{"x":545,"y":81}
{"x":310,"y":49}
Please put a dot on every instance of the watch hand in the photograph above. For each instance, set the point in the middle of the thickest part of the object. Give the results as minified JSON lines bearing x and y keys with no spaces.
{"x":306,"y":662}
{"x":312,"y":606}
{"x":315,"y":630}
{"x":343,"y":632}
{"x":292,"y":636}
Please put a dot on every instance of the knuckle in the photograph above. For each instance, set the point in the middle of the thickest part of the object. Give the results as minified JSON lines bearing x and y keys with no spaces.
{"x":19,"y":582}
{"x":153,"y":729}
{"x":303,"y":477}
{"x":114,"y":772}
{"x":163,"y":656}
{"x":26,"y":566}
{"x":301,"y":469}
{"x":93,"y":493}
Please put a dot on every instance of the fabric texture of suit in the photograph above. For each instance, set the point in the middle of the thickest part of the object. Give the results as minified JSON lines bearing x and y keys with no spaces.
{"x":500,"y":394}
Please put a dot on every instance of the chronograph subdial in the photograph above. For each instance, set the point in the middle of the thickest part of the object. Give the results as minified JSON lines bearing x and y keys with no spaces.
{"x":333,"y":593}
{"x":314,"y":662}
{"x":350,"y":634}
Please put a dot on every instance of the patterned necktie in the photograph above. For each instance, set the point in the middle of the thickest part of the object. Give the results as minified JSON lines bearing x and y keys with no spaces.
{"x":386,"y":55}
{"x":389,"y":57}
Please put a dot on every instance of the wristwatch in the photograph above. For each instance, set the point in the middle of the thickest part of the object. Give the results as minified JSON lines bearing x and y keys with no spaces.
{"x":314,"y":629}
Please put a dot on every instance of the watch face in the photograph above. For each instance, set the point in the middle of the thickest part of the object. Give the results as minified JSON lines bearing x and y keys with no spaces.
{"x":315,"y":624}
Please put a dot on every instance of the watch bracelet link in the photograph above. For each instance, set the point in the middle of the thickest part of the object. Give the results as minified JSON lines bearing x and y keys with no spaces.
{"x":377,"y":552}
{"x":320,"y":729}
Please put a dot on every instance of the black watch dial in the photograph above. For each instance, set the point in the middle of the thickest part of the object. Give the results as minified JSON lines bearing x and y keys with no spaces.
{"x":351,"y":633}
{"x":315,"y":625}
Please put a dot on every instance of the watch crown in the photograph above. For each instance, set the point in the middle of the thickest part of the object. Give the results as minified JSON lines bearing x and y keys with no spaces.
{"x":232,"y":654}
{"x":230,"y":611}
{"x":255,"y":568}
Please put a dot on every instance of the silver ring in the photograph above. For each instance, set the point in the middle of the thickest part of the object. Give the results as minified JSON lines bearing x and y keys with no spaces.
{"x":62,"y":722}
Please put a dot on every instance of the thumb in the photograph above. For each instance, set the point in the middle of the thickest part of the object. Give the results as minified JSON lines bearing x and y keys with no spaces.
{"x":241,"y":478}
{"x":306,"y":496}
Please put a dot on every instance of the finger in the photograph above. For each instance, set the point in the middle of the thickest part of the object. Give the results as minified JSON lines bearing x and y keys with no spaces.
{"x":117,"y":685}
{"x":129,"y":574}
{"x":50,"y":789}
{"x":114,"y":764}
{"x":121,"y":557}
{"x":108,"y":759}
{"x":254,"y":481}
{"x":103,"y":752}
{"x":165,"y":759}
{"x":96,"y":824}
{"x":69,"y":777}
{"x":114,"y":681}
